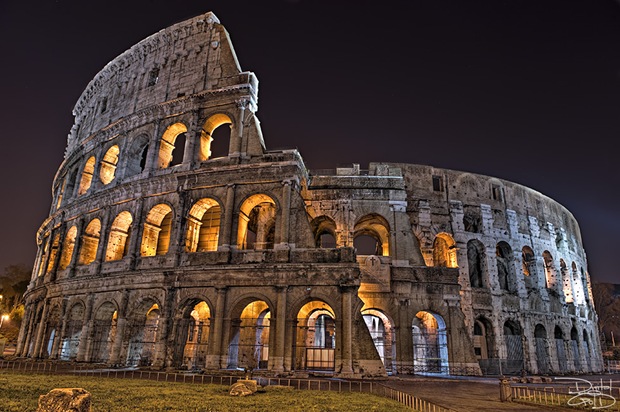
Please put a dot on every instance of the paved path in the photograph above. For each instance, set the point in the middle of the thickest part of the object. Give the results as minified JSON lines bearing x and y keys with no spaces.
{"x":463,"y":394}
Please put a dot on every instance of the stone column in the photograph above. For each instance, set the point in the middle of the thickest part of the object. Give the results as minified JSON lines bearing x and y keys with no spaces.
{"x":136,"y":234}
{"x":103,"y":239}
{"x":76,"y":248}
{"x":214,"y":351}
{"x":236,"y":140}
{"x":38,"y":343}
{"x":24,"y":330}
{"x":225,"y":241}
{"x":159,"y":355}
{"x":347,"y":327}
{"x":280,"y":322}
{"x":285,"y":215}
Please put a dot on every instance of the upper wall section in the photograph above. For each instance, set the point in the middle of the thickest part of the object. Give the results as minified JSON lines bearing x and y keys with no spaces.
{"x":192,"y":57}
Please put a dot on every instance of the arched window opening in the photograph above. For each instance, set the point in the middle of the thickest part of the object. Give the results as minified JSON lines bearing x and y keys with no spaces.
{"x":72,"y":333}
{"x":249,"y":344}
{"x":87,"y":176}
{"x":550,"y":275}
{"x":528,"y":266}
{"x":430,"y":344}
{"x":90,"y":242}
{"x":67,"y":248}
{"x":52,"y":337}
{"x":542,"y":351}
{"x":55,"y":247}
{"x":382,"y":332}
{"x":444,"y":251}
{"x":103,"y":333}
{"x":371,"y":236}
{"x":203,"y":226}
{"x":108,"y":165}
{"x":578,"y":291}
{"x":505,"y":268}
{"x":586,"y":350}
{"x":567,"y":284}
{"x":514,"y":348}
{"x":257,"y":222}
{"x":136,"y":156}
{"x":195,"y":332}
{"x":324,"y":229}
{"x":476,"y":263}
{"x":118,"y":240}
{"x":215,"y":137}
{"x":143,"y":327}
{"x":172,"y":146}
{"x":316,"y":337}
{"x":157,"y":228}
{"x":560,"y":349}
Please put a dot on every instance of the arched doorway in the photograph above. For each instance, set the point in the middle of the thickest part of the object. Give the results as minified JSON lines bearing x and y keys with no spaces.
{"x":104,"y":332}
{"x":575,"y":349}
{"x":194,"y":330}
{"x":514,"y":348}
{"x":143,"y":332}
{"x":249,"y":343}
{"x":382,"y":332}
{"x":430,"y":344}
{"x":560,"y":349}
{"x":73,"y":333}
{"x":542,"y":352}
{"x":315,"y":337}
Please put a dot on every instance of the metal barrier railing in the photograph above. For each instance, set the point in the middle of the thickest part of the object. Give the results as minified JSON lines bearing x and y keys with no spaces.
{"x":549,"y":396}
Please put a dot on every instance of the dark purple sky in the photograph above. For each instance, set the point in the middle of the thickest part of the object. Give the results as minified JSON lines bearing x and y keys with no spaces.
{"x":527,"y":91}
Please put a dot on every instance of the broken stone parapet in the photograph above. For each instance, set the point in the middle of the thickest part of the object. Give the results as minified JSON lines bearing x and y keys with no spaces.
{"x":65,"y":399}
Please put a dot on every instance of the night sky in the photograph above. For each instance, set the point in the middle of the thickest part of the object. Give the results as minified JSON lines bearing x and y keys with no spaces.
{"x":527,"y":91}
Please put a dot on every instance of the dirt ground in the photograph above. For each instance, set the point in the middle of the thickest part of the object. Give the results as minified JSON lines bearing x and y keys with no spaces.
{"x":473,"y":394}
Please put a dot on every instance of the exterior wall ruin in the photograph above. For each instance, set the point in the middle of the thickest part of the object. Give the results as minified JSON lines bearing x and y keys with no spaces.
{"x":177,"y":240}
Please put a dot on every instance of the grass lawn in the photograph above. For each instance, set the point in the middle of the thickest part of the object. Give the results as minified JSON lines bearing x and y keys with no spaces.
{"x":20,"y":392}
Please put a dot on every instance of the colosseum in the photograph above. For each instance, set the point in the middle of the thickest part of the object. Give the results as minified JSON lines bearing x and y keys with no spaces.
{"x":176,"y":240}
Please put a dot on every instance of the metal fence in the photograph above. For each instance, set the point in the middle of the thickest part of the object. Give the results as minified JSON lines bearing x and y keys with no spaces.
{"x":605,"y":399}
{"x":337,"y":385}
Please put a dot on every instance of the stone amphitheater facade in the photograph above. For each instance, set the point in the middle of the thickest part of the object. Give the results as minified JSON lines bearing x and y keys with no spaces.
{"x":176,"y":240}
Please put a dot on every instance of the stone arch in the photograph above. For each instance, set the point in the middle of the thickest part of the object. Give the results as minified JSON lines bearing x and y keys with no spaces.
{"x":143,"y":325}
{"x":67,"y":248}
{"x":90,"y":242}
{"x":324,"y":230}
{"x":574,"y":342}
{"x":430,"y":343}
{"x":69,"y":186}
{"x":104,"y":331}
{"x":107,"y":170}
{"x":505,"y":267}
{"x":315,"y":337}
{"x":248,"y":345}
{"x":73,"y":331}
{"x":371,"y":235}
{"x":193,"y":329}
{"x":157,"y":230}
{"x":513,"y":342}
{"x":484,"y":340}
{"x":542,"y":349}
{"x":444,"y":251}
{"x":550,"y":275}
{"x":567,"y":284}
{"x":87,"y":175}
{"x":560,"y":348}
{"x":381,"y":329}
{"x":476,"y":263}
{"x":203,"y":226}
{"x":215,"y":137}
{"x":137,"y":156}
{"x":587,"y":350}
{"x":172,"y":145}
{"x":118,"y":239}
{"x":528,"y":266}
{"x":257,"y":222}
{"x":52,"y":332}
